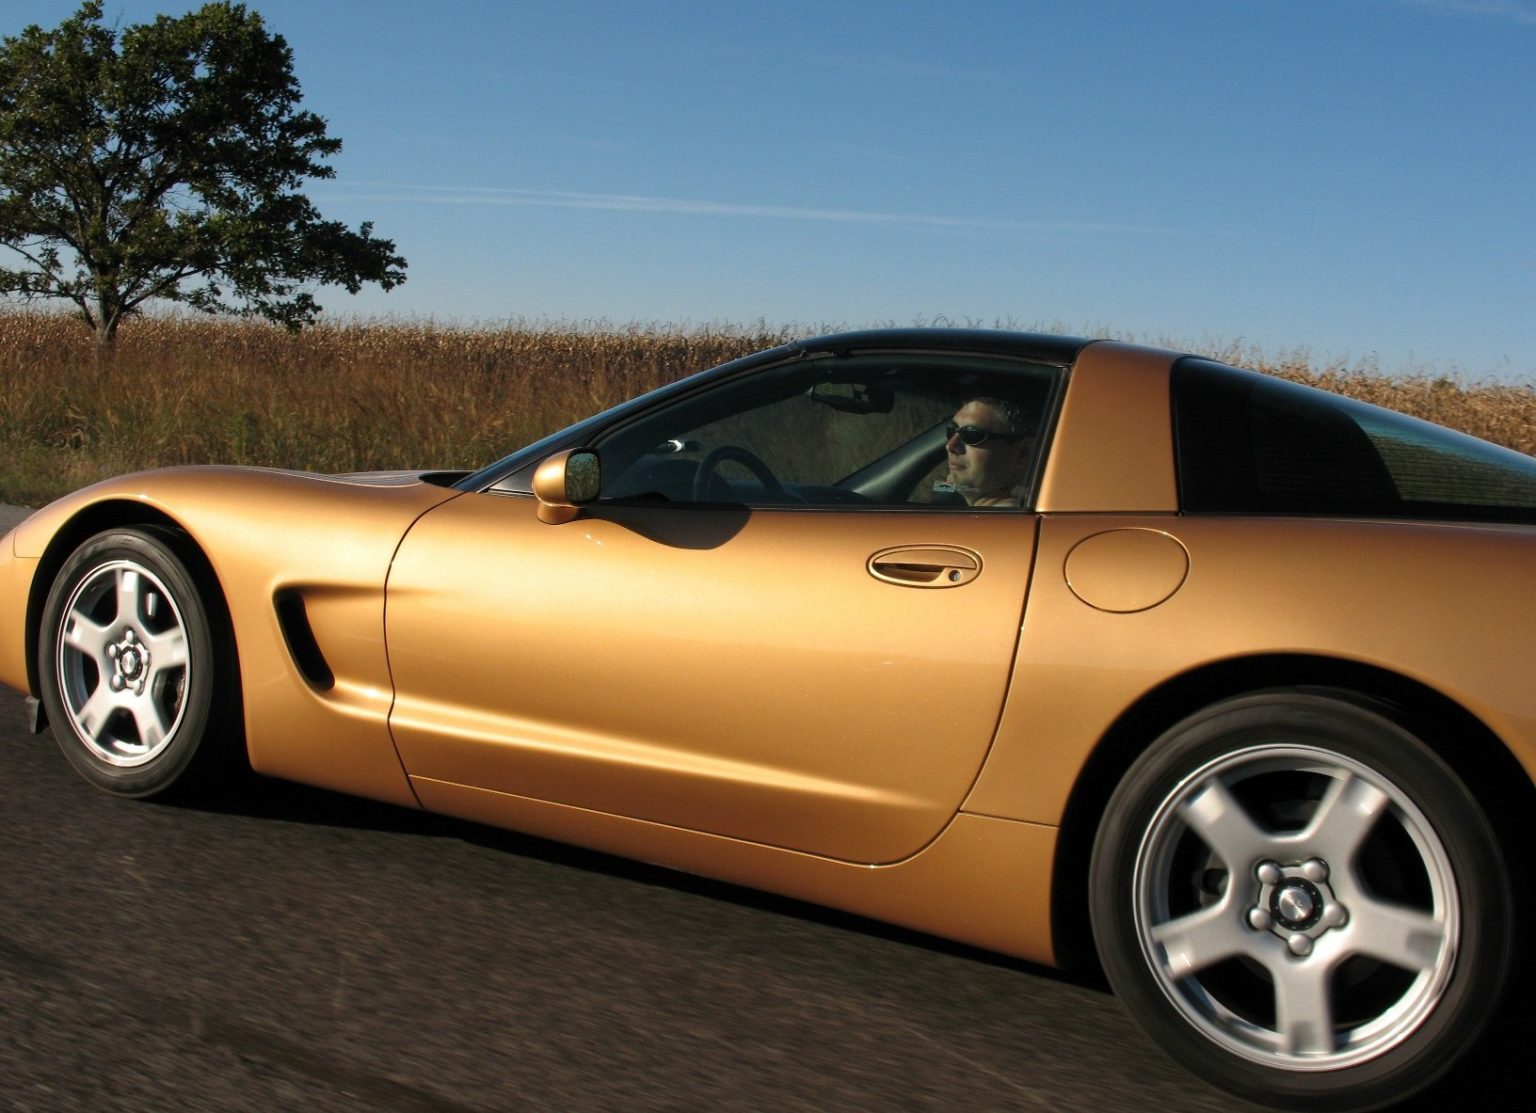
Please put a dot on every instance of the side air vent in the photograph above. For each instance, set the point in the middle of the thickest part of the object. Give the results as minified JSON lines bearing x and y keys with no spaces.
{"x":302,"y":647}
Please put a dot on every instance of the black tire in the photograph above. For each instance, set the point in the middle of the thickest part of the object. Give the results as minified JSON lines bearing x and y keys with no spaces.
{"x":137,"y":671}
{"x":1301,"y":902}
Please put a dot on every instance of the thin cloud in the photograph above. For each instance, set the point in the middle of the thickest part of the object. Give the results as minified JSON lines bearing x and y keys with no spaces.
{"x":1514,"y":10}
{"x":892,"y":66}
{"x":623,"y":202}
{"x":878,"y":65}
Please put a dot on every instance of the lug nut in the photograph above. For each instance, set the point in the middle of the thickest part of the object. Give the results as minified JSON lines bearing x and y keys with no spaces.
{"x":1260,"y":920}
{"x":1315,"y":870}
{"x":1300,"y":945}
{"x":1269,"y":873}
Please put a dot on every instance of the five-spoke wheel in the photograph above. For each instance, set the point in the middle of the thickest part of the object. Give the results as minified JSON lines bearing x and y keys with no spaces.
{"x":1300,"y":900}
{"x":137,"y":675}
{"x":122,"y":663}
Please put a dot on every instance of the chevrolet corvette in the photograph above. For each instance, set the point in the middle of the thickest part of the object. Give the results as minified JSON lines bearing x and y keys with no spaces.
{"x":1074,"y":650}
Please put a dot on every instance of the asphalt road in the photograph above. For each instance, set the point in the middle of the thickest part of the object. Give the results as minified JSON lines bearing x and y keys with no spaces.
{"x":294,"y":949}
{"x":300,"y":949}
{"x":10,"y":516}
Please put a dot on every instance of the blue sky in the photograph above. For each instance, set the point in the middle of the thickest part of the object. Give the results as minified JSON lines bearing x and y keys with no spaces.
{"x":1355,"y":178}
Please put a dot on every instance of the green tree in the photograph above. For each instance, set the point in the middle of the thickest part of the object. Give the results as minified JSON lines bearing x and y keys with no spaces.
{"x":163,"y":163}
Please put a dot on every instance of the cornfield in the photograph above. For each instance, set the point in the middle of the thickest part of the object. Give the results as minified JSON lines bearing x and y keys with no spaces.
{"x":389,"y":394}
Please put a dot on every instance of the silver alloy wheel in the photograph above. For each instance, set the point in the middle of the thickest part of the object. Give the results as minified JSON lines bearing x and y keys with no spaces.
{"x":123,"y":663}
{"x":1297,"y":907}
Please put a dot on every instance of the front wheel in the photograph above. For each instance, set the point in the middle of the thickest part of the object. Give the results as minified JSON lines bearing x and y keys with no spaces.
{"x":1301,"y":902}
{"x":137,"y":672}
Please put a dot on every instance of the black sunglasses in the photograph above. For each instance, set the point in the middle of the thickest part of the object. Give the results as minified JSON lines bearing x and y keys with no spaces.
{"x":975,"y":435}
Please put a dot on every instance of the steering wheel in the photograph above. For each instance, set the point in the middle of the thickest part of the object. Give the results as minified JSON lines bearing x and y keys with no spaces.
{"x":704,"y":478}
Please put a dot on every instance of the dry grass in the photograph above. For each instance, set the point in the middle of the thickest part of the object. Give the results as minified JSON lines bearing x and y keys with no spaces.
{"x":334,"y":398}
{"x":385,"y":394}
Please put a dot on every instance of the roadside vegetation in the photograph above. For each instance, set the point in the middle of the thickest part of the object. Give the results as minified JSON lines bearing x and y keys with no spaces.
{"x":391,"y":394}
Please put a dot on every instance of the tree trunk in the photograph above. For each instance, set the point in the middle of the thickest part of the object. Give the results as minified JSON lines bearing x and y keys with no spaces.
{"x":106,"y":344}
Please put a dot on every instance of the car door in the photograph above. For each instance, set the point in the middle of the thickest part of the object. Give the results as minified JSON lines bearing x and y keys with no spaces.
{"x":815,"y":667}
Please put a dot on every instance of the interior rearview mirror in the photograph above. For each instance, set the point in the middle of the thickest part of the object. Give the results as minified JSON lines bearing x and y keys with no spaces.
{"x":855,"y":398}
{"x":566,"y":482}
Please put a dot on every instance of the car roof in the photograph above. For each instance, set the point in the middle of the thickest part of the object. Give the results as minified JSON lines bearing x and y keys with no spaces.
{"x":1041,"y":347}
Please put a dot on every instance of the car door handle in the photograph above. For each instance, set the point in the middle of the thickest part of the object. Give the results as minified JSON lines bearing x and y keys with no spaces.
{"x":925,"y":566}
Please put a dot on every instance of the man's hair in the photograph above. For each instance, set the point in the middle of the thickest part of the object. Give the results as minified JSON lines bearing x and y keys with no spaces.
{"x":1012,"y":414}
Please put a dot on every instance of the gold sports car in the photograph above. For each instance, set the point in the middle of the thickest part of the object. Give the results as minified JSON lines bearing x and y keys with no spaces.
{"x":1037,"y":643}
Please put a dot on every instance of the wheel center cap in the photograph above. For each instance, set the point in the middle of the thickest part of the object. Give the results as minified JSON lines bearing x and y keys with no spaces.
{"x":1297,"y":905}
{"x":130,"y":663}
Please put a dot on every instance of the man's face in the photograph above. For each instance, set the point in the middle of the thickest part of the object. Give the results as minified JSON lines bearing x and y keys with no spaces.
{"x":992,"y":469}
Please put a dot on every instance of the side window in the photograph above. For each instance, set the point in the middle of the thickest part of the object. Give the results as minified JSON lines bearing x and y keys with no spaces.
{"x":900,"y":430}
{"x":1249,"y":443}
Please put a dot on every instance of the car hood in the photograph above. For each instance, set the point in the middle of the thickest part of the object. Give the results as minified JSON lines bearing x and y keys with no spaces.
{"x":215,"y":501}
{"x":386,"y":478}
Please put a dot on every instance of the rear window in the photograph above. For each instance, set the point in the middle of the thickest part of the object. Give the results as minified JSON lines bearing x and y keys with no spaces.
{"x":1252,"y":444}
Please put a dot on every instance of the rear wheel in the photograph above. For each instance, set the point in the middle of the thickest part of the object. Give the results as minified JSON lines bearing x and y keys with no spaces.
{"x":137,"y":674}
{"x":1299,"y":900}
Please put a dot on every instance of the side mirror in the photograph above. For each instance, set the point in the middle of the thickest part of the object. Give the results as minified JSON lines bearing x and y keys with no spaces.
{"x":565,"y":483}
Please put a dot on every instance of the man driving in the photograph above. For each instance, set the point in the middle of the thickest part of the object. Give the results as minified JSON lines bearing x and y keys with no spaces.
{"x":989,"y":452}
